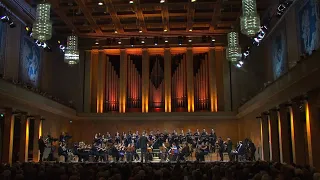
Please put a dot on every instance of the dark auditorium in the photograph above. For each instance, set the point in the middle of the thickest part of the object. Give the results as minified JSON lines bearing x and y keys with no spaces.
{"x":159,"y":89}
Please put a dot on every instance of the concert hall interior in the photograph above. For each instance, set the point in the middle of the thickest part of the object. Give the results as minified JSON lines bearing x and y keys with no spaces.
{"x":83,"y":67}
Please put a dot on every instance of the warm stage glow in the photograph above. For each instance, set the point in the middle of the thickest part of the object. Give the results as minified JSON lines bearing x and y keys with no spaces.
{"x":308,"y":126}
{"x":292,"y":134}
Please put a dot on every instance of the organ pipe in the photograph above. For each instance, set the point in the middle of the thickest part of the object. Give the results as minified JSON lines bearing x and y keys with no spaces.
{"x":112,"y":88}
{"x":201,"y":81}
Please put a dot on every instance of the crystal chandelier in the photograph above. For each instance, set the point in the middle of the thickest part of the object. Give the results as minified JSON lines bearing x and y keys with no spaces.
{"x":250,"y":20}
{"x":42,"y":27}
{"x":233,"y":49}
{"x":71,"y":55}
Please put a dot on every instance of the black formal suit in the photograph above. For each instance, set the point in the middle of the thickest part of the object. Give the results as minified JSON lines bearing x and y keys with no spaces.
{"x":41,"y":145}
{"x":143,"y":141}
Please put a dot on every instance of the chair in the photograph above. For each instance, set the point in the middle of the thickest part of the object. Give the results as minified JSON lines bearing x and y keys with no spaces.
{"x":62,"y":159}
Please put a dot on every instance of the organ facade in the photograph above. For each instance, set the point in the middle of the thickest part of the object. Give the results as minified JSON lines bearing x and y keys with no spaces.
{"x":156,"y":80}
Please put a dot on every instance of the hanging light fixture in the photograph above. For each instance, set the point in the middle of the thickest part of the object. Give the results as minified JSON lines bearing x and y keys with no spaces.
{"x":42,"y":27}
{"x":233,"y":49}
{"x":71,"y":55}
{"x":250,"y":20}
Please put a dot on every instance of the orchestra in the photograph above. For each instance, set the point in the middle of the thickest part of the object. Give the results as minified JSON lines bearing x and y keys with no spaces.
{"x":167,"y":146}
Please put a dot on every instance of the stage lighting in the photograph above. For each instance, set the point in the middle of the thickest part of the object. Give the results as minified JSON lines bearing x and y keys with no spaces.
{"x":29,"y":31}
{"x":165,"y":30}
{"x":140,"y":31}
{"x":2,"y":115}
{"x":5,"y":19}
{"x":162,"y":1}
{"x":100,"y":3}
{"x":241,"y":63}
{"x":62,"y":48}
{"x":97,"y":42}
{"x":166,"y":40}
{"x":132,"y":41}
{"x":193,"y":0}
{"x":131,"y":2}
{"x":12,"y":24}
{"x":190,"y":30}
{"x":142,"y":41}
{"x":246,"y":54}
{"x":119,"y":41}
{"x":156,"y":41}
{"x":116,"y":32}
{"x":213,"y":39}
{"x":44,"y":45}
{"x":190,"y":40}
{"x":180,"y":40}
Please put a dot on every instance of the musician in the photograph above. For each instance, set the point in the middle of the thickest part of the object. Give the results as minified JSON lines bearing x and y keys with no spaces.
{"x":117,"y":138}
{"x":201,"y":151}
{"x":163,"y":152}
{"x":212,"y":140}
{"x":229,"y":148}
{"x":143,"y":141}
{"x":239,"y":151}
{"x":62,"y":137}
{"x":62,"y":151}
{"x":252,"y":151}
{"x":174,"y":152}
{"x":196,"y":135}
{"x":189,"y":137}
{"x":185,"y":152}
{"x":122,"y":150}
{"x":221,"y":148}
{"x":114,"y":153}
{"x":41,"y":145}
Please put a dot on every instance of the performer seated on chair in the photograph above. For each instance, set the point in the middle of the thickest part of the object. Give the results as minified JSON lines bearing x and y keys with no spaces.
{"x":130,"y":152}
{"x":121,"y":149}
{"x":174,"y":152}
{"x":201,"y":151}
{"x":240,"y":151}
{"x":163,"y":152}
{"x":62,"y":151}
{"x":184,"y":152}
{"x":114,"y":153}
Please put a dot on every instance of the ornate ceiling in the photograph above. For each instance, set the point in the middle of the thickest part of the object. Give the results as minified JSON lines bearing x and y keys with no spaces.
{"x":118,"y":19}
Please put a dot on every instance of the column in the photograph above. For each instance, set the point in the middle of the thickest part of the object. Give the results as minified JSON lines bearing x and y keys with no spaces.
{"x":219,"y":58}
{"x":8,"y":136}
{"x":145,"y":80}
{"x":94,"y":79}
{"x":87,"y":83}
{"x":274,"y":136}
{"x":284,"y":144}
{"x":167,"y":79}
{"x":265,"y":137}
{"x":101,"y":82}
{"x":190,"y":87}
{"x":313,"y":129}
{"x":297,"y":135}
{"x":36,"y":136}
{"x":24,"y":139}
{"x":123,"y":81}
{"x":227,"y":83}
{"x":212,"y":81}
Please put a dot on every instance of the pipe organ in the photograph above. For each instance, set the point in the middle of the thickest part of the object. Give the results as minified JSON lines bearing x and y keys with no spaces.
{"x":201,"y":82}
{"x":134,"y":89}
{"x":154,"y":80}
{"x":178,"y":83}
{"x":156,"y":84}
{"x":112,"y":85}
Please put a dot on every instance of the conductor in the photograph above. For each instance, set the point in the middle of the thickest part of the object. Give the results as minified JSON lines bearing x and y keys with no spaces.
{"x":143,"y":146}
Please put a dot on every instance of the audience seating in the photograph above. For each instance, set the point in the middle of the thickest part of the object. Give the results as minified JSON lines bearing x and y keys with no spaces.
{"x":158,"y":171}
